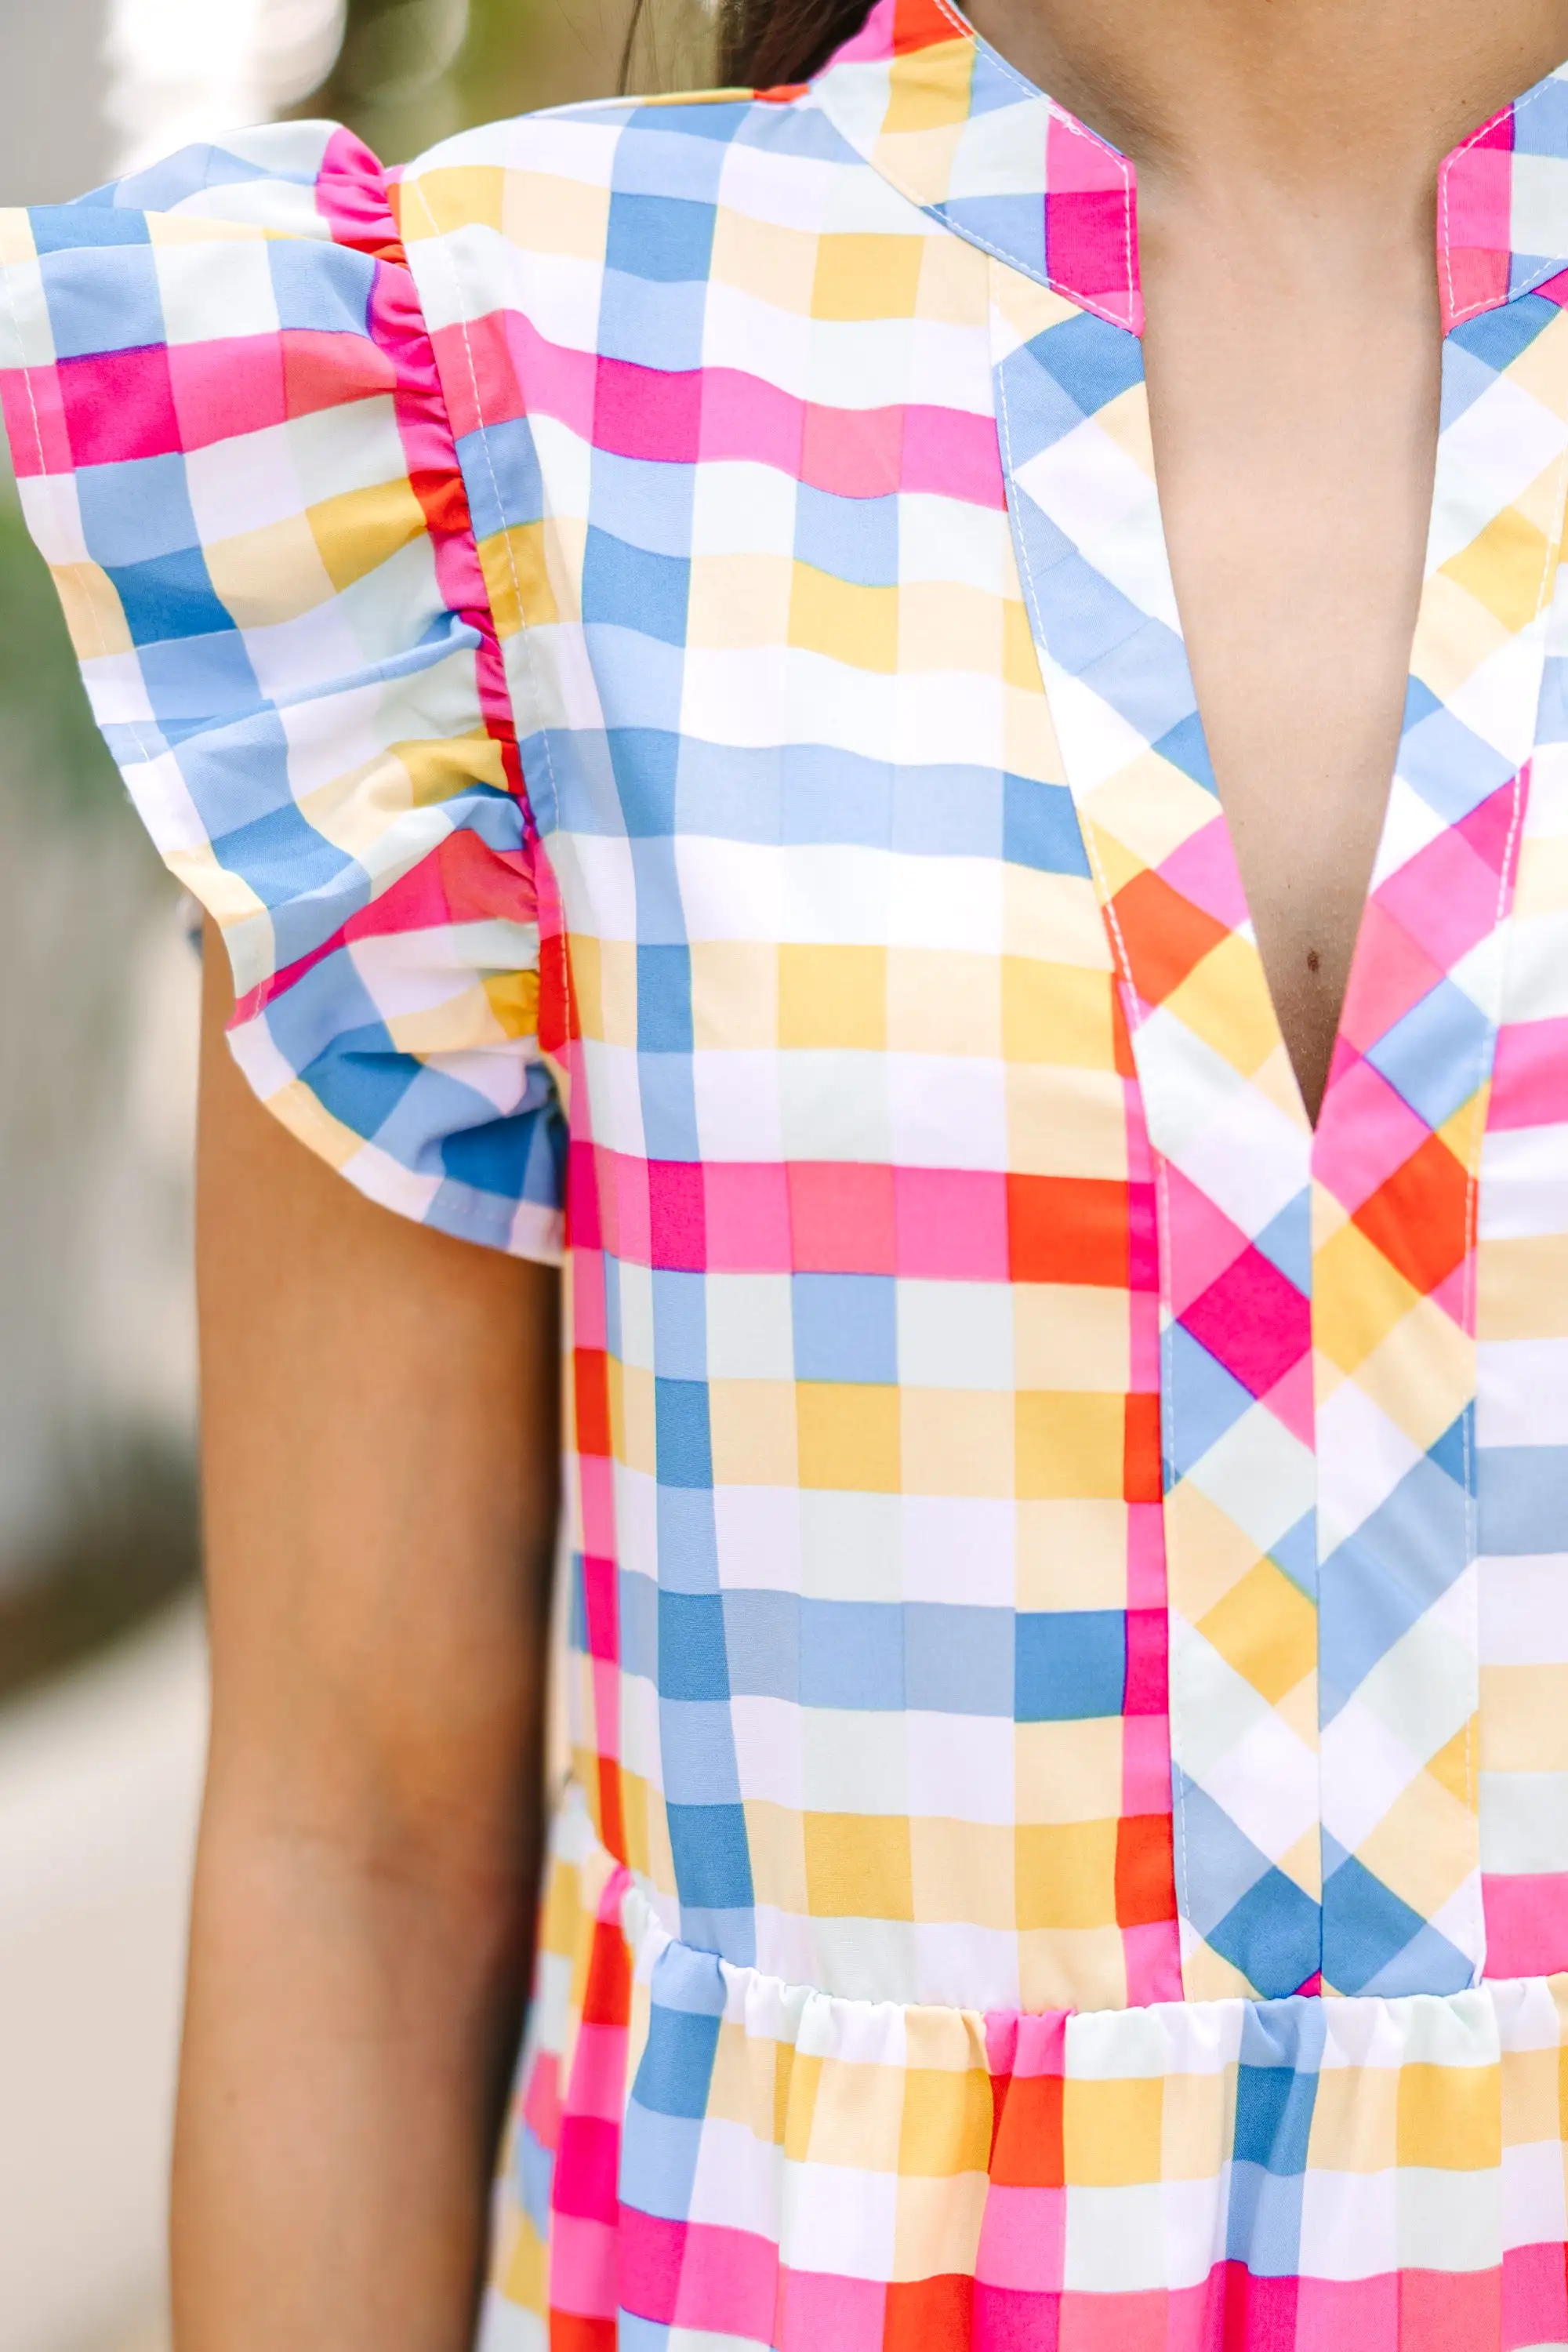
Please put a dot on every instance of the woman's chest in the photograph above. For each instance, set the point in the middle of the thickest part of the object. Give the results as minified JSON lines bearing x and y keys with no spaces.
{"x":861,"y":726}
{"x":941,"y":1139}
{"x":1295,"y":370}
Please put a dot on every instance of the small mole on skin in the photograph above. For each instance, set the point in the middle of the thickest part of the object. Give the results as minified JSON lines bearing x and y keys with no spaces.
{"x":1313,"y":959}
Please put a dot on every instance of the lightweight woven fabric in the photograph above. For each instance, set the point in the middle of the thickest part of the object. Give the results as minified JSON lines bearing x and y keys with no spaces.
{"x":652,"y":632}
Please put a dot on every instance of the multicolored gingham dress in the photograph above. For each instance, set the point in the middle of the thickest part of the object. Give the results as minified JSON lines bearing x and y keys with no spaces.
{"x":652,"y":632}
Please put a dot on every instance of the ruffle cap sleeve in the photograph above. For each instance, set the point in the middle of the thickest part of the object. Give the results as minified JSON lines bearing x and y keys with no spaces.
{"x":232,"y":450}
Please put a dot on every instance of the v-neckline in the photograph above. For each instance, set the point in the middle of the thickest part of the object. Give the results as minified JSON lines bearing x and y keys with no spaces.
{"x":1367,"y":1005}
{"x":1107,"y":619}
{"x":940,"y":112}
{"x":1477,"y":802}
{"x":949,"y":121}
{"x":1317,"y":1320}
{"x":1436,"y":788}
{"x":1315,"y":1288}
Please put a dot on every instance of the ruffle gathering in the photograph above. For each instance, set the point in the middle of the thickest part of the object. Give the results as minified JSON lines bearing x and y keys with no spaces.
{"x":241,"y":467}
{"x":1186,"y":2176}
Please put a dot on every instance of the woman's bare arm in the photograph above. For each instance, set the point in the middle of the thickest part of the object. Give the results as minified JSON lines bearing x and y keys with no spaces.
{"x":380,"y":1447}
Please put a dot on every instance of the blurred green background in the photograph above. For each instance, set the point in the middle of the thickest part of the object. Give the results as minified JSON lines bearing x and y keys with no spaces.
{"x":98,"y":1508}
{"x":411,"y":71}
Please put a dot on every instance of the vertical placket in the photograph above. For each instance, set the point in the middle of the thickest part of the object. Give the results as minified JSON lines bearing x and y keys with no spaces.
{"x":1395,"y":1198}
{"x":1230,"y":1138}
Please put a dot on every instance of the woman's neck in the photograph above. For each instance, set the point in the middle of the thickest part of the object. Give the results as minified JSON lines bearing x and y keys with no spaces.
{"x":1295,"y":95}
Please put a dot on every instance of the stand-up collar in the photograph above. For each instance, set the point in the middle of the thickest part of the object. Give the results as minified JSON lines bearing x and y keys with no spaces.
{"x":969,"y":138}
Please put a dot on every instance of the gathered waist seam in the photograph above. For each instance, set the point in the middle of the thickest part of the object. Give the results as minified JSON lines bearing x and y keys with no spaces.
{"x":1313,"y":2015}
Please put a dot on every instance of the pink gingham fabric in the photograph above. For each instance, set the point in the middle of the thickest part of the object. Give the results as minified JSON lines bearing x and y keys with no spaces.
{"x":651,"y":633}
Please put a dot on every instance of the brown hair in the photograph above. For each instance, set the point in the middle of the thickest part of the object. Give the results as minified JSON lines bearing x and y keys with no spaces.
{"x":764,"y":43}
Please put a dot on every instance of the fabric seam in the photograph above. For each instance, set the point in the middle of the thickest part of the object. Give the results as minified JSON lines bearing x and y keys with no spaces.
{"x":416,"y":187}
{"x":970,"y":236}
{"x":572,"y":1796}
{"x":1545,"y":595}
{"x":537,"y":853}
{"x":1113,"y":926}
{"x":1548,"y":270}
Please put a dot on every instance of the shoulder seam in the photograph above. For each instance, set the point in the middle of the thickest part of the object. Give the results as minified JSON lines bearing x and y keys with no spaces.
{"x":634,"y":100}
{"x":463,"y":321}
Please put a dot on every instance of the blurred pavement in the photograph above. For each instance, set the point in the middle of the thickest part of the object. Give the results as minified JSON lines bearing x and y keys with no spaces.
{"x":100,"y":1779}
